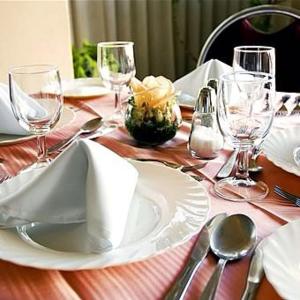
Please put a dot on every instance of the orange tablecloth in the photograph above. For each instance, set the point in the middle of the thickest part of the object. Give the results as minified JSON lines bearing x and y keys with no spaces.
{"x":149,"y":279}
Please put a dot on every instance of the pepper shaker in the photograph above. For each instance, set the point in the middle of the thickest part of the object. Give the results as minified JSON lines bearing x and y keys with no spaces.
{"x":213,"y":83}
{"x":205,"y":139}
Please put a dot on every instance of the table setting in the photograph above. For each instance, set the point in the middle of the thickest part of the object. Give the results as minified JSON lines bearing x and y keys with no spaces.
{"x":130,"y":201}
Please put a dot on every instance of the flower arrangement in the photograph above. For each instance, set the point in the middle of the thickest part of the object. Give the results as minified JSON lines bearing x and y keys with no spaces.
{"x":153,"y":115}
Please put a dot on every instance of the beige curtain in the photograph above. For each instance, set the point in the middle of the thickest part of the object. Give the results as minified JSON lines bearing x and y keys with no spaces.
{"x":168,"y":34}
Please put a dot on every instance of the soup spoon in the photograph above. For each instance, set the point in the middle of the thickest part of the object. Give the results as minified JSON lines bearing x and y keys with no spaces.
{"x":234,"y":237}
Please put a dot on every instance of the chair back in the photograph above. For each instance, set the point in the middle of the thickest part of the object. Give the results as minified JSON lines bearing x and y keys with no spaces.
{"x":237,"y":30}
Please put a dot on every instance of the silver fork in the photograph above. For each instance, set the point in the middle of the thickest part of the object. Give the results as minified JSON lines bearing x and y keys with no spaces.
{"x":172,"y":165}
{"x":286,"y":195}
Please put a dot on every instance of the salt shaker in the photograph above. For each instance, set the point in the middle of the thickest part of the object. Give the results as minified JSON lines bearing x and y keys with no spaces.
{"x":205,"y":139}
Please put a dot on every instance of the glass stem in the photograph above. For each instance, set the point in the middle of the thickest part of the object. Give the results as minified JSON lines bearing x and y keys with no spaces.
{"x":41,"y":145}
{"x":117,"y":98}
{"x":243,"y":163}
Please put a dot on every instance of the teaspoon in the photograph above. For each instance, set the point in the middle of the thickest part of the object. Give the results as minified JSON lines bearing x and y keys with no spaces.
{"x":234,"y":237}
{"x":88,"y":127}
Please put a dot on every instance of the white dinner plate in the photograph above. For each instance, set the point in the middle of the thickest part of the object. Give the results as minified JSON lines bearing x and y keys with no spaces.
{"x":282,"y":260}
{"x":279,"y":146}
{"x":155,"y":225}
{"x":66,"y":117}
{"x":84,"y":88}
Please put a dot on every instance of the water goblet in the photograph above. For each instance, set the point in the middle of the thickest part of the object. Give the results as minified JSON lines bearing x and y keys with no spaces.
{"x":245,"y":115}
{"x":37,"y":103}
{"x":116,"y":66}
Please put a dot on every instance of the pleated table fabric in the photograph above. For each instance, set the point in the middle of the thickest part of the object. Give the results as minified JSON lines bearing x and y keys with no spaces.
{"x":151,"y":278}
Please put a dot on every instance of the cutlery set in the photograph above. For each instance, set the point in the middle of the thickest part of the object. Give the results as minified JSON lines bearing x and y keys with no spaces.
{"x":217,"y":235}
{"x":199,"y":252}
{"x":283,"y":111}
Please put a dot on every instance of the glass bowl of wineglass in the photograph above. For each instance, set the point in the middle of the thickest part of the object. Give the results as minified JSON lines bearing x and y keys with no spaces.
{"x":245,"y":114}
{"x":37,"y":102}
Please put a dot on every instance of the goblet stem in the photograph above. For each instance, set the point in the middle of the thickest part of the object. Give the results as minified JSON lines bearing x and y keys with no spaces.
{"x":118,"y":89}
{"x":42,"y":157}
{"x":243,"y":163}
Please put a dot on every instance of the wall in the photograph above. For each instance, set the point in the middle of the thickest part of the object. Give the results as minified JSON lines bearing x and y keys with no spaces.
{"x":33,"y":32}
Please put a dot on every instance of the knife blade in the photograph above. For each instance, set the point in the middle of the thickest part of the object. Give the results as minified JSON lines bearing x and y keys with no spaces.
{"x":255,"y":273}
{"x":199,"y":252}
{"x":228,"y":166}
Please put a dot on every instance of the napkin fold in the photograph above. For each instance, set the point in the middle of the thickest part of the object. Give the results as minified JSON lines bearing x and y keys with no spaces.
{"x":198,"y":78}
{"x":87,"y":183}
{"x":30,"y":107}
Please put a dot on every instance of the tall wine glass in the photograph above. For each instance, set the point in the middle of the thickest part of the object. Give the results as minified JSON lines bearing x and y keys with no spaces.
{"x":255,"y":58}
{"x":245,"y":114}
{"x":116,"y":66}
{"x":37,"y":102}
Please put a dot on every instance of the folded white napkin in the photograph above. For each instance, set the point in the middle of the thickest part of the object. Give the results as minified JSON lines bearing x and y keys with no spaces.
{"x":198,"y":78}
{"x":88,"y":182}
{"x":8,"y":122}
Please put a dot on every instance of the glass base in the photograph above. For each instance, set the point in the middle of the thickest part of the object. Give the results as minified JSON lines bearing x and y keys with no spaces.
{"x":117,"y":119}
{"x":241,"y":190}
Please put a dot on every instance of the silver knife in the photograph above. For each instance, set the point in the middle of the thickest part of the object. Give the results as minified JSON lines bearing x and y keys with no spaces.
{"x":199,"y":252}
{"x":228,"y":166}
{"x":255,"y":273}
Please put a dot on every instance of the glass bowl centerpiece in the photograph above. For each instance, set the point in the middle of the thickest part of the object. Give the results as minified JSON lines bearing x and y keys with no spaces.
{"x":152,"y":116}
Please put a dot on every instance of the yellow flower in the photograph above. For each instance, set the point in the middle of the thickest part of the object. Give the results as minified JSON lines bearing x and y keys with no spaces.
{"x":152,"y":91}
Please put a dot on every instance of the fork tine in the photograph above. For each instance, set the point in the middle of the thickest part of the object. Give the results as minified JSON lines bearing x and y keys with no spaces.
{"x":287,"y":193}
{"x":3,"y":178}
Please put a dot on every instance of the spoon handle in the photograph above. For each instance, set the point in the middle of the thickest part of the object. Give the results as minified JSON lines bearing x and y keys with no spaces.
{"x":64,"y":143}
{"x":212,"y":285}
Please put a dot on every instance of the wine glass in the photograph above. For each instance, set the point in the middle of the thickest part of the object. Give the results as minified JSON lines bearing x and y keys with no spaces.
{"x":116,"y":66}
{"x":254,"y":59}
{"x":37,"y":102}
{"x":245,"y":115}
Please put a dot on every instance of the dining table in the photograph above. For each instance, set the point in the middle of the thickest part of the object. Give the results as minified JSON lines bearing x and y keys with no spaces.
{"x":150,"y":278}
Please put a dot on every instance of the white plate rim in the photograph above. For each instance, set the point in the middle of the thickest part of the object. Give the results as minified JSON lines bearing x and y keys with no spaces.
{"x":271,"y":248}
{"x":66,"y":118}
{"x":70,"y":84}
{"x":89,"y":261}
{"x":281,"y":137}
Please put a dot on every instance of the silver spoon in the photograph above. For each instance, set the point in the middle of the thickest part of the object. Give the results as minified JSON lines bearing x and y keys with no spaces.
{"x":232,"y":239}
{"x":296,"y":154}
{"x":88,"y":127}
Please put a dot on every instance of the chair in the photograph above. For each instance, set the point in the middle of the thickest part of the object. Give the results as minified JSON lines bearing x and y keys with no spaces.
{"x":237,"y":30}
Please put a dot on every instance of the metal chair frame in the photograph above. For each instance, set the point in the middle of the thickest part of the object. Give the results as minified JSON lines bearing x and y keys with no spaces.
{"x":246,"y":13}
